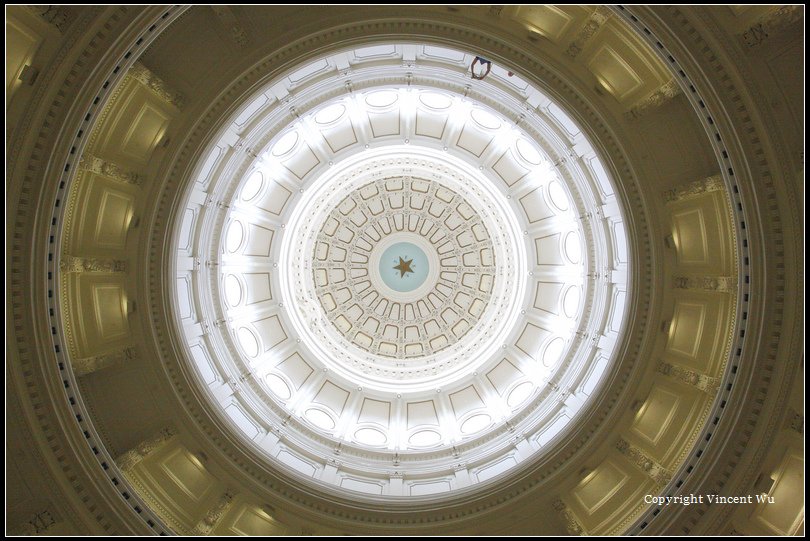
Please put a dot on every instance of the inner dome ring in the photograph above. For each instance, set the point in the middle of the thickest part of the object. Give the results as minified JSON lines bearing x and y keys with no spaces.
{"x":555,"y":226}
{"x":357,"y":363}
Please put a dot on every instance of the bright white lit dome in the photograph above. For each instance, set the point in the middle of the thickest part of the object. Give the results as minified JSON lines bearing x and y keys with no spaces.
{"x":410,"y":279}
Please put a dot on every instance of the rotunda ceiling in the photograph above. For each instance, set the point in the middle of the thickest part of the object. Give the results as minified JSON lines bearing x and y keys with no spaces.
{"x":290,"y":281}
{"x":286,"y":275}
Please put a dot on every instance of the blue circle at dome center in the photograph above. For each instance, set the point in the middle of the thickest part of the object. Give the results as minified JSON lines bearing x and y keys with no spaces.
{"x":403,"y":267}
